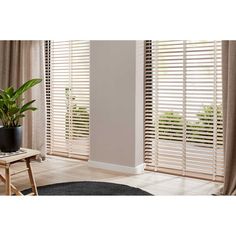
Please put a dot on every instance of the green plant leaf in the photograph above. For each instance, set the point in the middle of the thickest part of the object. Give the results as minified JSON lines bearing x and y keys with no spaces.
{"x":13,"y":110}
{"x":1,"y":102}
{"x":30,"y":109}
{"x":17,"y":118}
{"x":5,"y":95}
{"x":29,"y":84}
{"x":9,"y":91}
{"x":26,"y":106}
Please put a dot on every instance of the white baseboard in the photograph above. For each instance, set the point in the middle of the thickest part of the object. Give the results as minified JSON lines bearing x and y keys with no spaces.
{"x":117,"y":168}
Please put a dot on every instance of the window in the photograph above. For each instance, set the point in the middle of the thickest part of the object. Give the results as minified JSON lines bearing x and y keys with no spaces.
{"x":67,"y":98}
{"x":183,"y":108}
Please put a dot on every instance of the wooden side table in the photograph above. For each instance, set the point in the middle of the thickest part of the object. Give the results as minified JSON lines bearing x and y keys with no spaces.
{"x":6,"y":163}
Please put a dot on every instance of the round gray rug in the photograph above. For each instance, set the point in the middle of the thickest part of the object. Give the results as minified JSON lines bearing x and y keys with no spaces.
{"x":88,"y":188}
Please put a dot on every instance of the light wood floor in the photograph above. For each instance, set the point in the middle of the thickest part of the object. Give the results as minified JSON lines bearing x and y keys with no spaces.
{"x":55,"y":170}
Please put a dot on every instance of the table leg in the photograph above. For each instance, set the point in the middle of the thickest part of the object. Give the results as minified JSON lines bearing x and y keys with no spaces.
{"x":31,"y":177}
{"x":8,"y":180}
{"x":13,"y":188}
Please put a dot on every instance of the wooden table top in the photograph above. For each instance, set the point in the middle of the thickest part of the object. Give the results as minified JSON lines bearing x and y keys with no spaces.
{"x":17,"y":157}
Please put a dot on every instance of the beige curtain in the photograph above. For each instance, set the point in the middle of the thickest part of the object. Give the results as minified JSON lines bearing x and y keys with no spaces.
{"x":229,"y":111}
{"x":21,"y":61}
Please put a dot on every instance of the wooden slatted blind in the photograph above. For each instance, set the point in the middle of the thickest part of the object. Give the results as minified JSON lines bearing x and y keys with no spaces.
{"x":67,"y":98}
{"x":183,"y":108}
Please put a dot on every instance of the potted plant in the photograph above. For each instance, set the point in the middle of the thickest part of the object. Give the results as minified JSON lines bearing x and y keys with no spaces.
{"x":12,"y":110}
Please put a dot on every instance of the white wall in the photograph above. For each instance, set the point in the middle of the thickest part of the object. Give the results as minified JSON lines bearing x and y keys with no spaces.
{"x":139,"y":103}
{"x":116,"y":103}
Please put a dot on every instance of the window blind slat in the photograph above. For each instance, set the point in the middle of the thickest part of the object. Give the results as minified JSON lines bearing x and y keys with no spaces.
{"x":67,"y":88}
{"x":183,"y":108}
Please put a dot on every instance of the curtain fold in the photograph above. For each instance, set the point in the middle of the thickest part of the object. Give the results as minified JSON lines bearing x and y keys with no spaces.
{"x":229,"y":113}
{"x":21,"y":61}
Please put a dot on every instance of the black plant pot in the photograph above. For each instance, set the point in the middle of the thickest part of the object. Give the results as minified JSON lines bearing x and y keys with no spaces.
{"x":10,"y":139}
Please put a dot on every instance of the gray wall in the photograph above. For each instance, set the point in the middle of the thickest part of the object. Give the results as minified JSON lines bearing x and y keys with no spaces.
{"x":116,"y":102}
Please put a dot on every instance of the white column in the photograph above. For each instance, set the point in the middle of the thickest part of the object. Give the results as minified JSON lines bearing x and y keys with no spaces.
{"x":116,"y":105}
